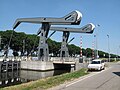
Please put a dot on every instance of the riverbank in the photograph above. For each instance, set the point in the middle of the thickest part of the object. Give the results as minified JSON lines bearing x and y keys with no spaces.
{"x":48,"y":82}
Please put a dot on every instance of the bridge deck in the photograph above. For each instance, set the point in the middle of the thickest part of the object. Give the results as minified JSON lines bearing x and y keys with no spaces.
{"x":63,"y":62}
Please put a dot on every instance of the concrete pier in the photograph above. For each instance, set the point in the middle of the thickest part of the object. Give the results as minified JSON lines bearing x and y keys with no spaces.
{"x":53,"y":63}
{"x":37,"y":65}
{"x":49,"y":65}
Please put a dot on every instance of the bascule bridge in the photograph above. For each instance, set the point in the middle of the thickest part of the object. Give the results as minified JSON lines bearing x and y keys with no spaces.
{"x":73,"y":18}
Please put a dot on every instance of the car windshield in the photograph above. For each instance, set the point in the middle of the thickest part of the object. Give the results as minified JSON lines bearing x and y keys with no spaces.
{"x":95,"y":62}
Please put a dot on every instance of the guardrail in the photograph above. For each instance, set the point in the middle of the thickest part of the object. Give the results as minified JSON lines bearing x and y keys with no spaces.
{"x":64,"y":59}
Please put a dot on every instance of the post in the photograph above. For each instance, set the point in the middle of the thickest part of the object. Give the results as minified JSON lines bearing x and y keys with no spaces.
{"x":81,"y":46}
{"x":0,"y":42}
{"x":97,"y":41}
{"x":118,"y":53}
{"x":96,"y":51}
{"x":93,"y":53}
{"x":23,"y":47}
{"x":96,"y":47}
{"x":108,"y":48}
{"x":81,"y":55}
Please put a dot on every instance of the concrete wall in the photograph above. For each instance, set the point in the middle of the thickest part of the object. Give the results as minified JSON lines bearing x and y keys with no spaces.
{"x":34,"y":75}
{"x":37,"y":65}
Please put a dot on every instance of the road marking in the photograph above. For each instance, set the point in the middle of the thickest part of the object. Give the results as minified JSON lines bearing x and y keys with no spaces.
{"x":80,"y":80}
{"x":86,"y":77}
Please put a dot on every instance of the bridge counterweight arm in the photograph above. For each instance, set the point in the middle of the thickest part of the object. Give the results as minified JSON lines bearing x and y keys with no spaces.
{"x":72,"y":18}
{"x":89,"y":28}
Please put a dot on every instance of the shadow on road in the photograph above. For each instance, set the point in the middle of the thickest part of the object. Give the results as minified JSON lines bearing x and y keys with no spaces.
{"x":95,"y":70}
{"x":117,"y":73}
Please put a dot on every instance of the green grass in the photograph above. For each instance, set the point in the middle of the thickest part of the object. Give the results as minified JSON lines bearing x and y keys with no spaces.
{"x":48,"y":82}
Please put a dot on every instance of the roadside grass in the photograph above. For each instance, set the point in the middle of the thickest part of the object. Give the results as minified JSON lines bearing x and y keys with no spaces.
{"x":115,"y":61}
{"x":48,"y":82}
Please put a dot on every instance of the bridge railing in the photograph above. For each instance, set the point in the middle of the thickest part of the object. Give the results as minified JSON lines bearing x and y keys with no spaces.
{"x":10,"y":58}
{"x":64,"y":59}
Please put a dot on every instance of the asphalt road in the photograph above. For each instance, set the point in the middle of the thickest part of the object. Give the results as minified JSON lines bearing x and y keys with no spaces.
{"x":108,"y":79}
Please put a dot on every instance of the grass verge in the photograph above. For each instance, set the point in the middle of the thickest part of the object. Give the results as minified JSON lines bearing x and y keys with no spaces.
{"x":48,"y":82}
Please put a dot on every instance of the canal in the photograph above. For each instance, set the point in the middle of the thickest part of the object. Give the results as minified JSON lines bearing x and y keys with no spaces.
{"x":22,"y":76}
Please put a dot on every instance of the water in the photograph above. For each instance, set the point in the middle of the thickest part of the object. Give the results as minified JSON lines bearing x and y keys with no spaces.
{"x":22,"y":76}
{"x":9,"y":78}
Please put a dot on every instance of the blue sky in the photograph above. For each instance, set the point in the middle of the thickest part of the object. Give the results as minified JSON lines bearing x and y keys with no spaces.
{"x":103,"y":12}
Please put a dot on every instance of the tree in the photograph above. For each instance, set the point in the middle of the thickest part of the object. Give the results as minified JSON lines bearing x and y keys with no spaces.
{"x":32,"y":42}
{"x":83,"y":52}
{"x":72,"y":50}
{"x":88,"y":52}
{"x":101,"y":54}
{"x":54,"y":47}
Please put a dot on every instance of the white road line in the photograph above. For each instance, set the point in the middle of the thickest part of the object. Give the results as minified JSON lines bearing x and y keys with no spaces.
{"x":80,"y":80}
{"x":85,"y":78}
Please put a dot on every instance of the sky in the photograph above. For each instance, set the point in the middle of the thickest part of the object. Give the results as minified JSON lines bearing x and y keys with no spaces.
{"x":106,"y":13}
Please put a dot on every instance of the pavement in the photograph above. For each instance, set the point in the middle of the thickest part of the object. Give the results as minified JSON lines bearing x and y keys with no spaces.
{"x":108,"y":79}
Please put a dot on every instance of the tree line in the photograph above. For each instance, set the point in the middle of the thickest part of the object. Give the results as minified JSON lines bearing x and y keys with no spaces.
{"x":21,"y":42}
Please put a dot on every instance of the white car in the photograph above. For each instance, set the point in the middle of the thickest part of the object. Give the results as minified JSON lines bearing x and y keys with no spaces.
{"x":96,"y":64}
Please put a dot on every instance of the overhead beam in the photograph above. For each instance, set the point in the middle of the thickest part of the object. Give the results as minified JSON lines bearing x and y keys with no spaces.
{"x":89,"y":28}
{"x":72,"y":18}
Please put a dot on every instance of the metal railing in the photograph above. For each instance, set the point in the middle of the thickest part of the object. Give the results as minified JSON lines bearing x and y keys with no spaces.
{"x":64,"y":59}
